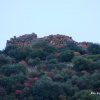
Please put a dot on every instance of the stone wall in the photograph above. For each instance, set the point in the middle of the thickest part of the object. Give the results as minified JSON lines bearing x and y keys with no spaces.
{"x":58,"y":40}
{"x":55,"y":40}
{"x":22,"y":41}
{"x":83,"y":45}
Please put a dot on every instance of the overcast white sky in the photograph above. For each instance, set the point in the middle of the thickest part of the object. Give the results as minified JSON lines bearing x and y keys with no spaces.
{"x":77,"y":18}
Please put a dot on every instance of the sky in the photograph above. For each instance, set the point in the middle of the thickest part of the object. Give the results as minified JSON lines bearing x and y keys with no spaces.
{"x":79,"y":19}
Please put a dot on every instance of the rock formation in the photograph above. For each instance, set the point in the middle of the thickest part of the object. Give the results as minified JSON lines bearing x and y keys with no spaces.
{"x":22,"y":41}
{"x":55,"y":40}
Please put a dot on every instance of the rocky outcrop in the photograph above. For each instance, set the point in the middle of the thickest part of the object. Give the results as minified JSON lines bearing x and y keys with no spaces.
{"x":22,"y":41}
{"x":83,"y":45}
{"x":58,"y":40}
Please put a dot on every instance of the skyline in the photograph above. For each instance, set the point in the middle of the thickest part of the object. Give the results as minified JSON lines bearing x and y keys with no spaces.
{"x":79,"y":19}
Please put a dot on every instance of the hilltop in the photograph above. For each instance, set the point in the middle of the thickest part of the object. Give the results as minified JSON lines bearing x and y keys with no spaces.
{"x":55,"y":40}
{"x":53,"y":67}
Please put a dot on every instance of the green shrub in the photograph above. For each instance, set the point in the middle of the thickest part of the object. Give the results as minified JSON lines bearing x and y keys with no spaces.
{"x":38,"y":54}
{"x":81,"y":63}
{"x":94,"y":48}
{"x":92,"y":57}
{"x":85,"y":95}
{"x":45,"y":89}
{"x":75,"y":48}
{"x":5,"y":60}
{"x":53,"y":61}
{"x":66,"y":56}
{"x":34,"y":62}
{"x":19,"y":53}
{"x":8,"y":70}
{"x":70,"y":89}
{"x":43,"y":45}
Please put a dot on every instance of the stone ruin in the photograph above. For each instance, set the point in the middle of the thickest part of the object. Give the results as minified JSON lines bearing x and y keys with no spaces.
{"x":56,"y":40}
{"x":22,"y":41}
{"x":83,"y":45}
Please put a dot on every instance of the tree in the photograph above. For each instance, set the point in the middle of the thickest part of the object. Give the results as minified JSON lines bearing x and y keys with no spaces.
{"x":9,"y":48}
{"x":42,"y":44}
{"x":34,"y":62}
{"x":70,"y":89}
{"x":85,"y":95}
{"x":38,"y":54}
{"x":95,"y":81}
{"x":19,"y":53}
{"x":0,"y":52}
{"x":81,"y":63}
{"x":8,"y":70}
{"x":66,"y":56}
{"x":5,"y":60}
{"x":52,"y":61}
{"x":45,"y":89}
{"x":58,"y":78}
{"x":94,"y":48}
{"x":74,"y":47}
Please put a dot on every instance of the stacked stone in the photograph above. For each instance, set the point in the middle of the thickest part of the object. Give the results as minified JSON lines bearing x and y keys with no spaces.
{"x":22,"y":41}
{"x":83,"y":45}
{"x":58,"y":40}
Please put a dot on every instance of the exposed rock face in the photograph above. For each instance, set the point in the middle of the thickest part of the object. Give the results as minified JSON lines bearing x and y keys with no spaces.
{"x":22,"y":41}
{"x":56,"y":40}
{"x":83,"y":45}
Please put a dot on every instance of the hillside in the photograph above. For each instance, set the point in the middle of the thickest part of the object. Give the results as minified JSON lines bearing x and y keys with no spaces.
{"x":53,"y":67}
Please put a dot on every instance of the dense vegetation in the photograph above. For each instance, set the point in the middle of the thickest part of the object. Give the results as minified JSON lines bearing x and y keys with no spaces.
{"x":45,"y":72}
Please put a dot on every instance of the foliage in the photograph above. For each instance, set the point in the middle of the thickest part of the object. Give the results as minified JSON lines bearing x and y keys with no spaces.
{"x":74,"y":47}
{"x":38,"y":54}
{"x":63,"y":72}
{"x":19,"y":53}
{"x":45,"y":89}
{"x":5,"y":60}
{"x":66,"y":56}
{"x":34,"y":62}
{"x":92,"y":57}
{"x":70,"y":89}
{"x":85,"y":95}
{"x":8,"y":70}
{"x":94,"y":48}
{"x":52,"y":61}
{"x":81,"y":63}
{"x":44,"y":46}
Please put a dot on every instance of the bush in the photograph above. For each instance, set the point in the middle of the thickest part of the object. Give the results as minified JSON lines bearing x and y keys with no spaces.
{"x":70,"y":89}
{"x":34,"y":62}
{"x":52,"y":61}
{"x":58,"y":78}
{"x":94,"y":48}
{"x":8,"y":70}
{"x":5,"y":60}
{"x":38,"y":54}
{"x":0,"y":52}
{"x":93,"y":57}
{"x":95,"y":81}
{"x":74,"y":47}
{"x":85,"y":95}
{"x":81,"y":63}
{"x":18,"y":53}
{"x":45,"y":89}
{"x":66,"y":56}
{"x":7,"y":83}
{"x":97,"y":64}
{"x":44,"y":46}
